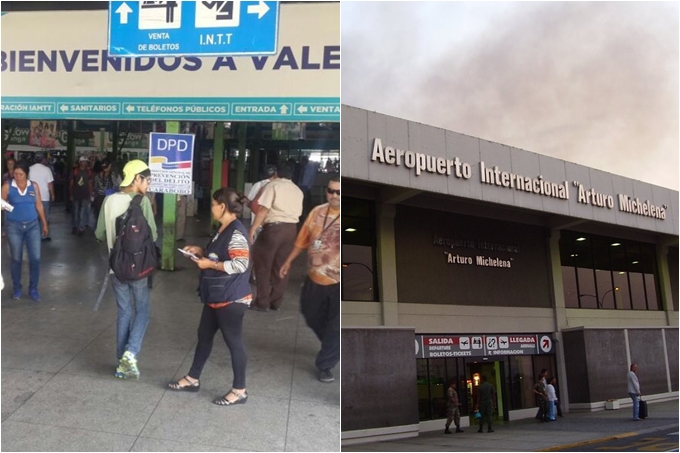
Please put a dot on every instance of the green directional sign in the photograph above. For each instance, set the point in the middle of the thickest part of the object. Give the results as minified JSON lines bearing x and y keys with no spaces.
{"x":20,"y":109}
{"x":175,"y":109}
{"x":317,"y":109}
{"x":90,"y":108}
{"x":178,"y":109}
{"x":261,"y":108}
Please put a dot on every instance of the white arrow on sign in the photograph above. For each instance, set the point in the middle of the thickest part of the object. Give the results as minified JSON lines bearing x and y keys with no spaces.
{"x":260,"y":9}
{"x":545,"y":343}
{"x":284,"y":109}
{"x":302,"y":109}
{"x":124,"y":10}
{"x":130,"y":108}
{"x":64,"y":107}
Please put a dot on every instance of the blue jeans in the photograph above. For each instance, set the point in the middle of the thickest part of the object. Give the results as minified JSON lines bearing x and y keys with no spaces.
{"x":636,"y":405}
{"x":80,"y":214}
{"x":131,"y":330}
{"x":18,"y":234}
{"x":46,"y":208}
{"x":551,"y":410}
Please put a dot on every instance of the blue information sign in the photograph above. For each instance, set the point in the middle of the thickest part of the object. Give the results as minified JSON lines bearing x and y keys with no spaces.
{"x":174,"y":28}
{"x":170,"y":161}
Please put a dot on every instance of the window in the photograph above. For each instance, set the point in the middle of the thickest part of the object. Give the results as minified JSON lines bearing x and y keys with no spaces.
{"x":359,"y":279}
{"x":570,"y":286}
{"x":608,"y":273}
{"x":522,"y":382}
{"x":433,"y":379}
{"x":603,"y":275}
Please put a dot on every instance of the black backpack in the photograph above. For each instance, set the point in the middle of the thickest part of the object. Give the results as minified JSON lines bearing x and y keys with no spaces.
{"x":133,"y":255}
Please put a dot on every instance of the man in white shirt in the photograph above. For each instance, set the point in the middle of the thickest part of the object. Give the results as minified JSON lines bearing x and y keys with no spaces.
{"x":269,"y":175}
{"x":279,"y":214}
{"x":42,"y":175}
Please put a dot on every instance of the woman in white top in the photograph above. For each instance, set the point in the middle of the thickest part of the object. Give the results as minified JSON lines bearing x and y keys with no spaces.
{"x":552,"y":397}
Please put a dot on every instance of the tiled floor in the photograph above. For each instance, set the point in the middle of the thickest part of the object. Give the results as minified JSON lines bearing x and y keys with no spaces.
{"x":58,"y":359}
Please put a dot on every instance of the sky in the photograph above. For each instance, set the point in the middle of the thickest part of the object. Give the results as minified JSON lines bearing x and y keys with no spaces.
{"x":592,"y":83}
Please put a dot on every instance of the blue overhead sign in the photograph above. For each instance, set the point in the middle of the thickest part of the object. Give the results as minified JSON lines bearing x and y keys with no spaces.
{"x":174,"y":28}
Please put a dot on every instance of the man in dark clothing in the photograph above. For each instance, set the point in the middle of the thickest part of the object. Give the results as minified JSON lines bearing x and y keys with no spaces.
{"x":542,"y":396}
{"x":486,"y":404}
{"x":81,"y":190}
{"x":452,"y":408}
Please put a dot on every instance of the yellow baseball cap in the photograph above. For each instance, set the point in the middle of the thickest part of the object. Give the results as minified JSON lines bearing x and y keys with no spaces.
{"x":132,"y":169}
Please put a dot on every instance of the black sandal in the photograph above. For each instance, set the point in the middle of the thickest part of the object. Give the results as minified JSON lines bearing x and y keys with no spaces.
{"x":223,"y":401}
{"x":191,"y":387}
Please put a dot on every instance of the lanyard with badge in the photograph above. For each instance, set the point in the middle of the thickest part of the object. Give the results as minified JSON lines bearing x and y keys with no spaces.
{"x":317,"y":244}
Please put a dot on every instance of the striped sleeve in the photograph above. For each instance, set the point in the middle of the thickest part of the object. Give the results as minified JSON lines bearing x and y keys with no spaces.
{"x":239,"y":252}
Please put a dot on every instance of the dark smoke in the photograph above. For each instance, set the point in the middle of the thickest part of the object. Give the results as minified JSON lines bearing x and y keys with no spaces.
{"x":591,"y":83}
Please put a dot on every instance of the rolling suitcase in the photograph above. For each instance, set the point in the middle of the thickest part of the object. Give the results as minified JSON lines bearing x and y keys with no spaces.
{"x":643,"y":409}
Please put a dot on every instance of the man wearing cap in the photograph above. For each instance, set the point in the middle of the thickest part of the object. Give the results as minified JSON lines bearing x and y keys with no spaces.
{"x":81,"y":190}
{"x":41,"y":174}
{"x":130,"y":330}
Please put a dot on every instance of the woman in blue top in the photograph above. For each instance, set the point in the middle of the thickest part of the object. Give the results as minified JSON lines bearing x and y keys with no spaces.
{"x":23,"y":227}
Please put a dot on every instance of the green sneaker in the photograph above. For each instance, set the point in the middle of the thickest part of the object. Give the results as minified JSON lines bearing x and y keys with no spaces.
{"x":120,"y":373}
{"x":128,"y":365}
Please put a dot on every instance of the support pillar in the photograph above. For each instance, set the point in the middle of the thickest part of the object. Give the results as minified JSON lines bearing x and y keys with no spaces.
{"x":169,"y":217}
{"x":560,"y":311}
{"x":241,"y":164}
{"x":218,"y":158}
{"x":387,"y":264}
{"x":666,"y":295}
{"x":114,"y":142}
{"x":70,"y":160}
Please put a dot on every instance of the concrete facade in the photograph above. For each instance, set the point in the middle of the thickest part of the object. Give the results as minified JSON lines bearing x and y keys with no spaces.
{"x":371,"y":357}
{"x":429,"y":186}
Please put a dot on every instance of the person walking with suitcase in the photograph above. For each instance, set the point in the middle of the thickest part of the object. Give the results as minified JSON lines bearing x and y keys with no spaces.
{"x":634,"y":391}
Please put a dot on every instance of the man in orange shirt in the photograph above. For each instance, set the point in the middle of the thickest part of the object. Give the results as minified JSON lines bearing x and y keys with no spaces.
{"x":320,"y":298}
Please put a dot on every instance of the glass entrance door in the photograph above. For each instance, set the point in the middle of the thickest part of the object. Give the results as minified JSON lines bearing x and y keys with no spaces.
{"x":494,"y":374}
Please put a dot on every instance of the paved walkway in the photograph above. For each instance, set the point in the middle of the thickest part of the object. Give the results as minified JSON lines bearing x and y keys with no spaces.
{"x":530,"y":435}
{"x":58,"y":359}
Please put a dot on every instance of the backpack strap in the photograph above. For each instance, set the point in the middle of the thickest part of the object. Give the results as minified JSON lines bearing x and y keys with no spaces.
{"x":137,"y":200}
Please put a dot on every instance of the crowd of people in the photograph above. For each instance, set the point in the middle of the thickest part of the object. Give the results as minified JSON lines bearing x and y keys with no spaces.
{"x":486,"y":403}
{"x":225,"y":264}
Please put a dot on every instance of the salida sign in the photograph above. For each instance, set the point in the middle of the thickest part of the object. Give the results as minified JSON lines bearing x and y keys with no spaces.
{"x":471,"y":345}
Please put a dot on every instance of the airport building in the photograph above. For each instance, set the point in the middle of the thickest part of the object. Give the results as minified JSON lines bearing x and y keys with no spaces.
{"x":463,"y":257}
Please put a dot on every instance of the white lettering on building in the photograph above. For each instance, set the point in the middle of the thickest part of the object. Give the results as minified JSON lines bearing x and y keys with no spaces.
{"x":495,"y":176}
{"x":492,"y":262}
{"x":419,"y":161}
{"x":644,"y":208}
{"x":594,"y":198}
